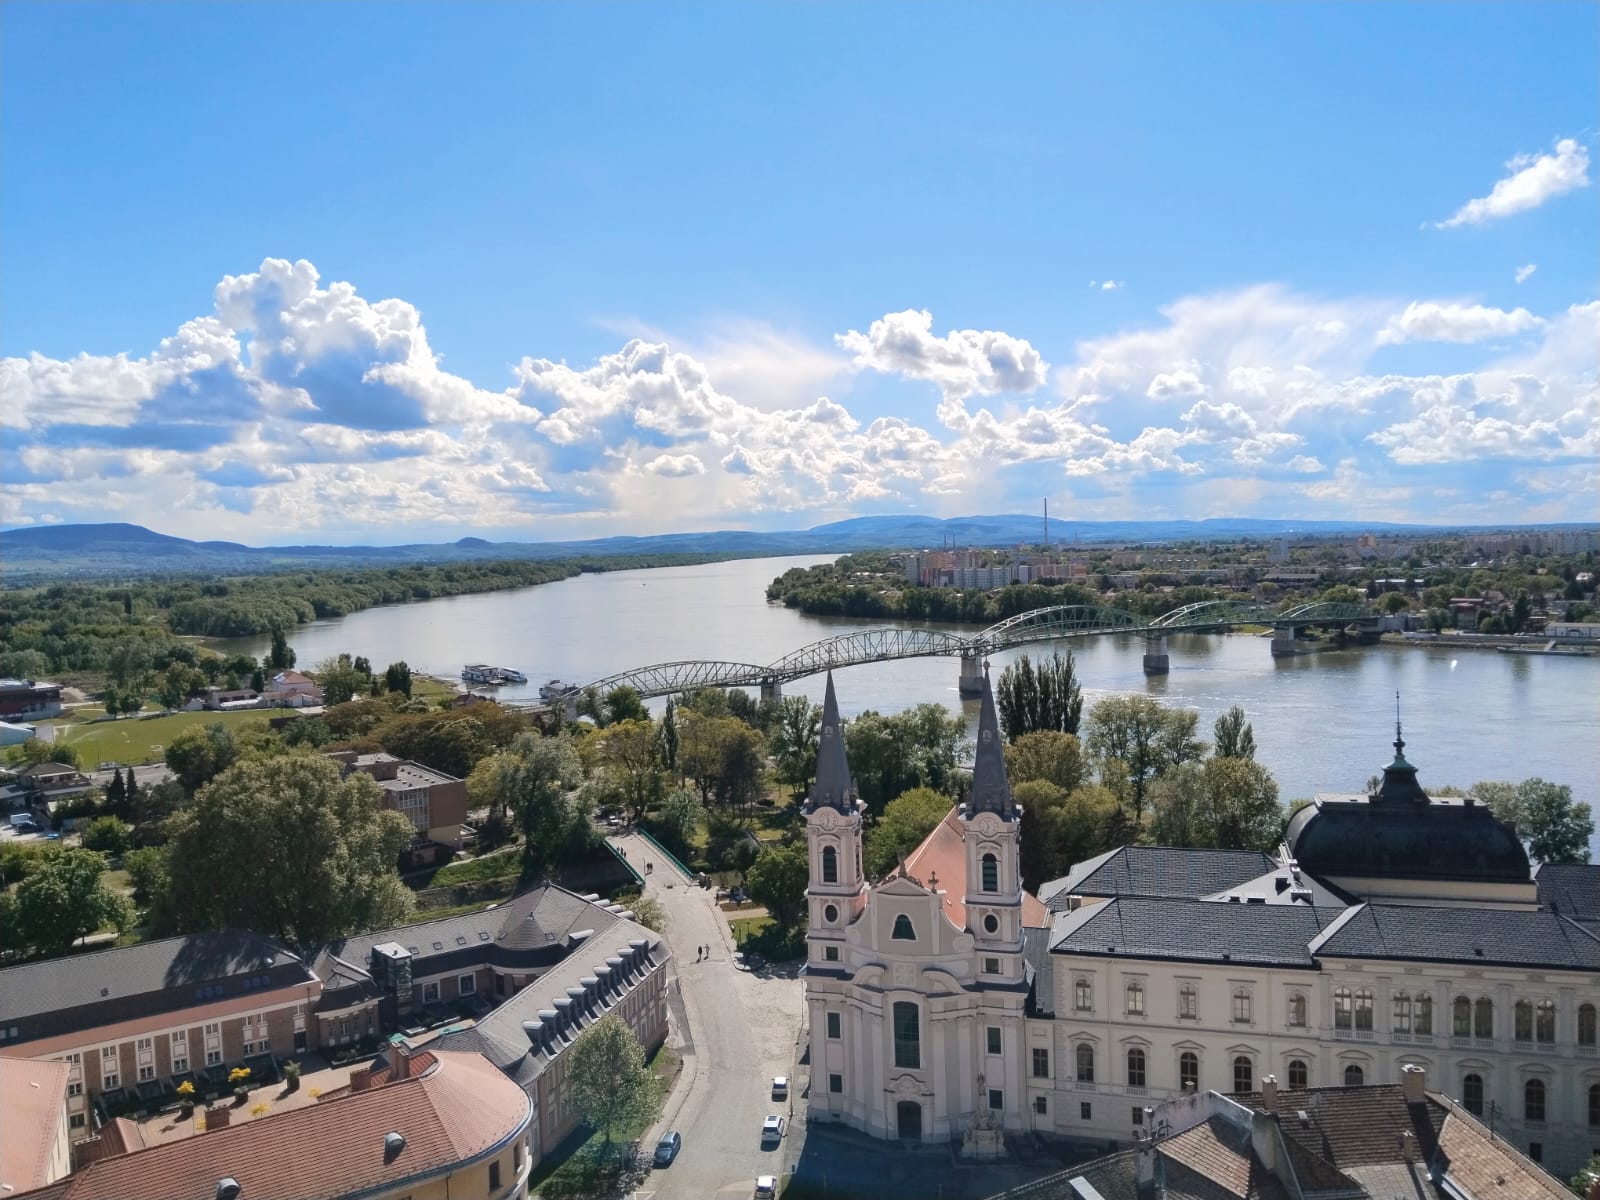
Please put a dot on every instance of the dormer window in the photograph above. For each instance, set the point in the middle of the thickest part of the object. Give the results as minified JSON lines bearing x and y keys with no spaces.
{"x":902,"y":929}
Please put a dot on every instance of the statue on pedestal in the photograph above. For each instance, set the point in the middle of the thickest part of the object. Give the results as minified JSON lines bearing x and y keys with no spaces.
{"x":984,"y":1138}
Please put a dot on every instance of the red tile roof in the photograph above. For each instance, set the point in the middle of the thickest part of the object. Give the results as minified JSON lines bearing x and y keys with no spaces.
{"x":33,"y":1099}
{"x":459,"y":1107}
{"x":942,"y":856}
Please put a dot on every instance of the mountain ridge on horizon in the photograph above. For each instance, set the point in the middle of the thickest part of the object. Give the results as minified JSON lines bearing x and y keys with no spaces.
{"x":129,"y":548}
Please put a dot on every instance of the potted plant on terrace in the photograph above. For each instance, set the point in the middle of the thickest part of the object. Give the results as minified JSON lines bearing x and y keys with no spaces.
{"x":239,"y":1077}
{"x":291,"y":1076}
{"x":186,"y":1099}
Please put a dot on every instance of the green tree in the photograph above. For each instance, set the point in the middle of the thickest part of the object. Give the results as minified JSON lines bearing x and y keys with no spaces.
{"x":307,"y":731}
{"x":116,"y":791}
{"x":1555,"y":827}
{"x":1057,"y":758}
{"x":1136,"y":740}
{"x":1061,"y":827}
{"x":340,"y":681}
{"x":796,"y":732}
{"x":916,"y":748}
{"x":106,"y":835}
{"x":34,"y":751}
{"x":648,"y":912}
{"x":1223,"y":803}
{"x":177,"y":684}
{"x":196,"y":756}
{"x":1586,"y":1182}
{"x":907,"y":820}
{"x":1046,"y":697}
{"x":624,"y":704}
{"x":289,"y":848}
{"x":674,"y":826}
{"x":281,"y":656}
{"x":669,"y":738}
{"x":538,"y":778}
{"x":397,"y":677}
{"x":611,"y":1085}
{"x":629,"y":754}
{"x":64,"y":900}
{"x":1234,"y":736}
{"x":778,"y":879}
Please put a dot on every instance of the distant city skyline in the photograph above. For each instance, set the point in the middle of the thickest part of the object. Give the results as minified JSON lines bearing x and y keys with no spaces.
{"x":342,"y":273}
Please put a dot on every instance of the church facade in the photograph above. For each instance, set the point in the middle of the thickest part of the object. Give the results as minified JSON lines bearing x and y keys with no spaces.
{"x":1388,"y":930}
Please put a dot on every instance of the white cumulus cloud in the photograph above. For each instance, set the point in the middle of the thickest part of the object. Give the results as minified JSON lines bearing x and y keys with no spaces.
{"x":1533,"y":180}
{"x":1434,"y":322}
{"x":1525,"y":273}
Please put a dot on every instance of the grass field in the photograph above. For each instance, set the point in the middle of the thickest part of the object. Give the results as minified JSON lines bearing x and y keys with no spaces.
{"x":472,"y":870}
{"x":134,"y":739}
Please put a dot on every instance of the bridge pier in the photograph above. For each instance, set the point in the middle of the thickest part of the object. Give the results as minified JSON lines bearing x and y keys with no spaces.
{"x":1155,"y":655}
{"x":771,"y":690}
{"x":1283,"y":642}
{"x":970,"y":681}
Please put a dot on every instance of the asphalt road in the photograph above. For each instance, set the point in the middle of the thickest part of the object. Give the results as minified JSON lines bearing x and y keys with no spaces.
{"x":736,"y":1029}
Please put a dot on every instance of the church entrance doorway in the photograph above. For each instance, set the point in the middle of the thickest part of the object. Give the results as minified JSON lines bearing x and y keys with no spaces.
{"x":909,"y":1114}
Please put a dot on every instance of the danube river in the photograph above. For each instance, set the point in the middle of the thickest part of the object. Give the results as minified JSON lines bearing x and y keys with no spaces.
{"x":1323,"y":722}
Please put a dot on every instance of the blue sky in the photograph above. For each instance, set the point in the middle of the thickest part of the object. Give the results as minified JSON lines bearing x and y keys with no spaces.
{"x":388,"y":272}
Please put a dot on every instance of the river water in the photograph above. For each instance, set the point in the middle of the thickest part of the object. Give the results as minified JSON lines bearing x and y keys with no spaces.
{"x":1323,"y":722}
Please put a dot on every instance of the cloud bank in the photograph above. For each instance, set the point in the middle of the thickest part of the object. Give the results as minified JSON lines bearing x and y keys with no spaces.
{"x":298,"y":409}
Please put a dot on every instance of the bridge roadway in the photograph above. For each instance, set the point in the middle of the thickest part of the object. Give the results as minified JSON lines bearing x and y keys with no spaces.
{"x":1037,"y":625}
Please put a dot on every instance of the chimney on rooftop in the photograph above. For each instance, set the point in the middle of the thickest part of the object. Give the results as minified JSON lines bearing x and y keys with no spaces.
{"x":1145,"y":1172}
{"x":218,"y":1118}
{"x":1269,"y":1093}
{"x":361,"y":1079}
{"x":1413,"y":1083}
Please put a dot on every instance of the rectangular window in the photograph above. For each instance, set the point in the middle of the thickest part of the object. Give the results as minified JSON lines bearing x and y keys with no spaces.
{"x":836,"y":1084}
{"x":1536,"y":1151}
{"x":466,"y":985}
{"x":1241,"y":1007}
{"x":997,"y":1099}
{"x":1041,"y":1064}
{"x":1188,"y":1002}
{"x":213,"y":1057}
{"x":146,"y":1072}
{"x":907,"y":1035}
{"x":430,"y":992}
{"x":1041,"y":1105}
{"x":78,"y":1120}
{"x":1085,"y":1110}
{"x":991,"y":966}
{"x":830,"y":954}
{"x":75,"y":1088}
{"x":833,"y":1024}
{"x":180,"y":1063}
{"x":1082,"y":994}
{"x":992,"y":1038}
{"x":494,"y":1176}
{"x":1138,"y":1115}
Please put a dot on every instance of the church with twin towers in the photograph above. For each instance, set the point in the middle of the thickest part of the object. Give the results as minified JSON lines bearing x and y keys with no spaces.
{"x":1391,"y":934}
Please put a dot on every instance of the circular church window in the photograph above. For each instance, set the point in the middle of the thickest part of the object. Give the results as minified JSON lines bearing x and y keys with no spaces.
{"x":991,"y":924}
{"x":830,"y":914}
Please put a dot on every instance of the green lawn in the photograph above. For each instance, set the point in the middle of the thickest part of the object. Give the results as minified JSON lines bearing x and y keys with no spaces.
{"x":135,"y":740}
{"x":745,"y":928}
{"x":490,"y":866}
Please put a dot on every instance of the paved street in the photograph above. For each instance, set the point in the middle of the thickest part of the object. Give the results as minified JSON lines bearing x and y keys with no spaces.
{"x":736,"y":1030}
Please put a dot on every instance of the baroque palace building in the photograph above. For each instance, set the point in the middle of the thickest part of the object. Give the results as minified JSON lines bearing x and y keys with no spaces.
{"x":1388,"y":930}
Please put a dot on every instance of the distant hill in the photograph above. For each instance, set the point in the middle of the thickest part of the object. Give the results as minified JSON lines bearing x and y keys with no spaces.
{"x":124,"y":549}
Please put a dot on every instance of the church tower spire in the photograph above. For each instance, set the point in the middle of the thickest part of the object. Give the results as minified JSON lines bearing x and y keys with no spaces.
{"x":836,"y":890}
{"x":991,"y":791}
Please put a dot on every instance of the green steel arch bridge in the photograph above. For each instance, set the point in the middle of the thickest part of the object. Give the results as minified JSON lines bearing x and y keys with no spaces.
{"x":1038,"y":625}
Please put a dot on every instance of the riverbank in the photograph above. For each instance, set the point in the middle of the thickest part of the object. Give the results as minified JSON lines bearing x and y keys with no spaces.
{"x":1524,"y":643}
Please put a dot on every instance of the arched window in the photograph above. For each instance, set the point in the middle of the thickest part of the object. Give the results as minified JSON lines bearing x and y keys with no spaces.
{"x":1544,"y":1021}
{"x":1522,"y":1021}
{"x":1135,"y":992}
{"x":1083,"y":994}
{"x":1594,"y":1106}
{"x":1533,"y":1100}
{"x":1189,"y":1071}
{"x":902,"y":929}
{"x":1586,"y":1025}
{"x":1083,"y":1056}
{"x":1136,"y":1068}
{"x":1241,"y":1006}
{"x":1353,"y":1076}
{"x":1297,"y":1010}
{"x":1244,"y":1073}
{"x":1461,"y":1020}
{"x":1483,"y":1018}
{"x":991,"y":873}
{"x":1364,"y":1010}
{"x":1341,"y":1008}
{"x":1472,"y":1094}
{"x":1188,"y":1002}
{"x":1299,"y":1075}
{"x":1402,"y":1012}
{"x":1423,"y":1023}
{"x":830,"y":865}
{"x":907,"y":1035}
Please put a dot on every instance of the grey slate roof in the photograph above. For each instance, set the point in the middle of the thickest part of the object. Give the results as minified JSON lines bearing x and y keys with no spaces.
{"x":1165,"y":871}
{"x":1570,"y":889}
{"x":1192,"y":931}
{"x":127,"y":972}
{"x":1504,"y":937}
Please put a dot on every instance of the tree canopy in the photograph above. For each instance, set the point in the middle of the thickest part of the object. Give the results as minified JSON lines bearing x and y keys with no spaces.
{"x":778,"y":879}
{"x":1222,"y":803}
{"x":1233,"y":735}
{"x":611,"y":1085}
{"x":1046,"y":697}
{"x":1555,"y":827}
{"x":919,"y":747}
{"x":906,"y":821}
{"x":1136,"y":740}
{"x":287,"y":847}
{"x":63,"y":900}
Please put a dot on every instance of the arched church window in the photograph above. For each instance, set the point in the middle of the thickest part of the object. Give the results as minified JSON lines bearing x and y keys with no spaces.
{"x":1189,"y":1071}
{"x":830,"y":865}
{"x":1299,"y":1075}
{"x":1084,"y":1056}
{"x":1354,"y":1076}
{"x":1533,"y":1100}
{"x":1244,"y":1073}
{"x":1472,"y":1094}
{"x":1483,"y":1018}
{"x":902,"y":929}
{"x":991,"y":873}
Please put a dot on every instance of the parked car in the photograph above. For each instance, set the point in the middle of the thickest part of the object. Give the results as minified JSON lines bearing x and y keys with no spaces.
{"x":766,"y":1187}
{"x":771,"y":1128}
{"x":667,"y":1148}
{"x":780,"y":1087}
